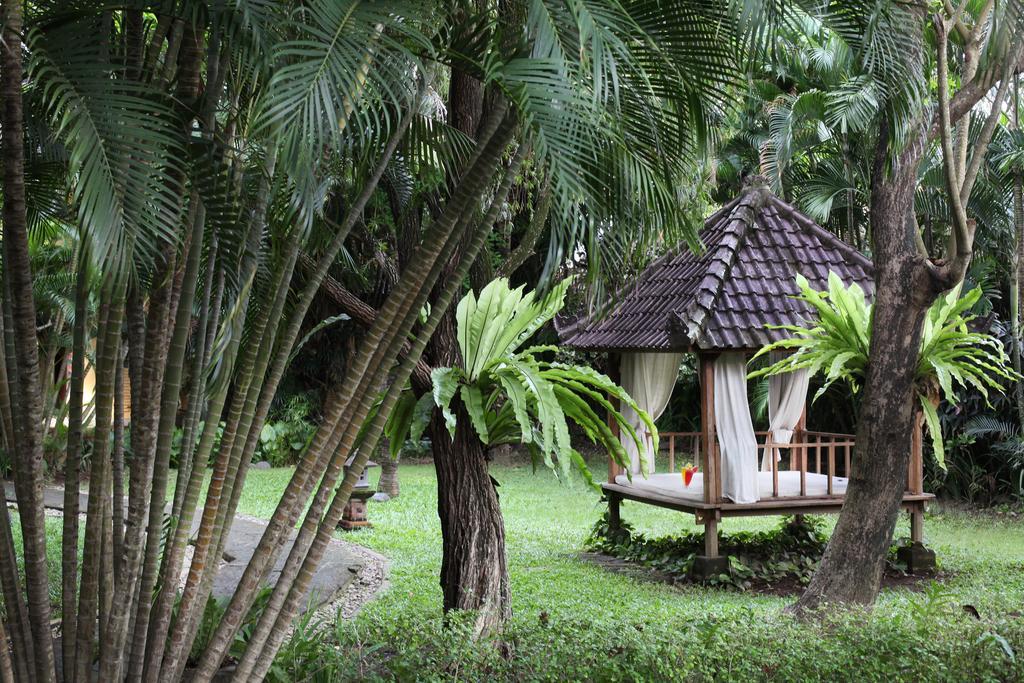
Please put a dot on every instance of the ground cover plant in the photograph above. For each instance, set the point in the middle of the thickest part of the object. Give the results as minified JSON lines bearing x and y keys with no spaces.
{"x":764,"y":560}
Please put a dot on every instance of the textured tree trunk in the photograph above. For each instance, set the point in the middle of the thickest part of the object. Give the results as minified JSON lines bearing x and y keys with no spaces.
{"x":18,"y":274}
{"x":73,"y":467}
{"x":117,"y":471}
{"x":851,"y":569}
{"x":6,"y":665}
{"x":389,"y":474}
{"x":474,"y":575}
{"x":474,"y":571}
{"x":108,"y":354}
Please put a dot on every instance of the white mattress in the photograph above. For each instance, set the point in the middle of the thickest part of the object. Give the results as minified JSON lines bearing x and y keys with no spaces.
{"x":668,"y":484}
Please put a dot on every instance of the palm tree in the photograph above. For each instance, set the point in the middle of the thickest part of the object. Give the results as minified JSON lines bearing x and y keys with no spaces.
{"x":204,"y":144}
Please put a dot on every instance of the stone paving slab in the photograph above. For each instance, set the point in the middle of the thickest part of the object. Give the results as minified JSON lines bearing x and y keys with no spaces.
{"x":338,"y":568}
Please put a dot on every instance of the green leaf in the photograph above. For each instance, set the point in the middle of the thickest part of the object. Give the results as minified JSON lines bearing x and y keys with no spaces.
{"x":474,"y":402}
{"x":421,"y":413}
{"x":268,"y":433}
{"x":445,"y":383}
{"x":931,"y":421}
{"x":397,"y":426}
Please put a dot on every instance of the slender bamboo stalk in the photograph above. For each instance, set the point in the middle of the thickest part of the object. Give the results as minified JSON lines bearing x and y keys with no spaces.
{"x":6,"y":414}
{"x":265,"y":651}
{"x":225,"y":469}
{"x":196,"y":391}
{"x":362,"y":378}
{"x":14,"y":598}
{"x":18,"y":277}
{"x":149,"y":473}
{"x":117,"y":470}
{"x":107,"y":356}
{"x":106,"y":562}
{"x":266,"y":392}
{"x":160,"y":618}
{"x":153,"y":474}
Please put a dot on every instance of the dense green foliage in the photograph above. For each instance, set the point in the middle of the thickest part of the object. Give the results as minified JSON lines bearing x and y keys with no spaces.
{"x":837,"y":344}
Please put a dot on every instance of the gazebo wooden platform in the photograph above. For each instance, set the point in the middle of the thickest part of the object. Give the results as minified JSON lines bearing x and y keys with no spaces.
{"x":726,"y":301}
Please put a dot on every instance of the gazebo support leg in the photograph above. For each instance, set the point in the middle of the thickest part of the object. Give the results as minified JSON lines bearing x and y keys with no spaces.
{"x":614,"y":514}
{"x":710,"y":564}
{"x":918,"y":558}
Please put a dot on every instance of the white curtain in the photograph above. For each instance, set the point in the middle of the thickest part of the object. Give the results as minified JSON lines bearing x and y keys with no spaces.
{"x":787,"y":396}
{"x":649,"y":378}
{"x":735,"y":429}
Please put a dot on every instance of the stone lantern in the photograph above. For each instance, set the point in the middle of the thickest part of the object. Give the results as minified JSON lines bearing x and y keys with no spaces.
{"x":354,"y":516}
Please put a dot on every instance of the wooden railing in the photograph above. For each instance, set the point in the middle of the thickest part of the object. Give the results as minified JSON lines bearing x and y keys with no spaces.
{"x":825,"y":447}
{"x":809,"y":452}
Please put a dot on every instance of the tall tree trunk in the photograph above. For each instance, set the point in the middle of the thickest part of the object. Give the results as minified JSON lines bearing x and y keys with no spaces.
{"x":117,"y":469}
{"x":474,"y":570}
{"x":473,"y":558}
{"x":18,"y":273}
{"x":19,"y":627}
{"x":108,"y":354}
{"x":6,"y":665}
{"x":851,"y":569}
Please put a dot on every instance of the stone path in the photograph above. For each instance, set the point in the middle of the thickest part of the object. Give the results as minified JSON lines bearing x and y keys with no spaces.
{"x":338,"y":569}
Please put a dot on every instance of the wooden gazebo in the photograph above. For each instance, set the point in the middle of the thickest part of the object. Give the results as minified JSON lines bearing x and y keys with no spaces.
{"x":724,"y":300}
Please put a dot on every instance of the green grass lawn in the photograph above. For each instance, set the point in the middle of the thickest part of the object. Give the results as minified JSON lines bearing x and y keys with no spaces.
{"x":574,"y":620}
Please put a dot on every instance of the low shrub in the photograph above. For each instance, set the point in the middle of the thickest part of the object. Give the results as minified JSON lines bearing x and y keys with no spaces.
{"x":757,"y":559}
{"x":285,"y":436}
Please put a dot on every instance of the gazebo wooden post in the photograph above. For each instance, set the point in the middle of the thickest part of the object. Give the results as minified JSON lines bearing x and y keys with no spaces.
{"x":798,"y":455}
{"x":710,"y":564}
{"x":614,"y":501}
{"x":615,"y":374}
{"x":708,"y":446}
{"x":918,"y":558}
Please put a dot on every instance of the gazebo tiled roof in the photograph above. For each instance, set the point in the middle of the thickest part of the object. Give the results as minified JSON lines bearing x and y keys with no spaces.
{"x":725,"y":297}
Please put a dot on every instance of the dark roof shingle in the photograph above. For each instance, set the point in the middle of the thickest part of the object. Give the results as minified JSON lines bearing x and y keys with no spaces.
{"x":725,"y":297}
